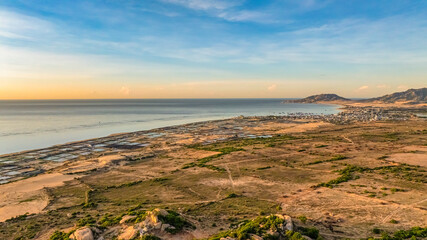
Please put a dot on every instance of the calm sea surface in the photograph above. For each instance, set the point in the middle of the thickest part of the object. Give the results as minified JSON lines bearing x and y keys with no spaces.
{"x":35,"y":124}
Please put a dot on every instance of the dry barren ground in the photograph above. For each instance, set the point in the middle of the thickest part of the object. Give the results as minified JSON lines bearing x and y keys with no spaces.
{"x":344,"y":180}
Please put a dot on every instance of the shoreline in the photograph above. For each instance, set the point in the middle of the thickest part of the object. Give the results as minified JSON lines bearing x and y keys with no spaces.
{"x":29,"y":163}
{"x":344,"y":107}
{"x":337,"y":106}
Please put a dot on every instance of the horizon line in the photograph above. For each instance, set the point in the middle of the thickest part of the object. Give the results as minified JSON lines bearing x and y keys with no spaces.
{"x":66,"y":99}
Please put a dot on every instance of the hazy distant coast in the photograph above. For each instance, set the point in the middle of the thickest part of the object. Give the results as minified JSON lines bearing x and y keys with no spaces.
{"x":411,"y":97}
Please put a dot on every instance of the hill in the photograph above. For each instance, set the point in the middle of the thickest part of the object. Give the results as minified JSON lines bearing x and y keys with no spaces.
{"x":319,"y":98}
{"x":410,"y":96}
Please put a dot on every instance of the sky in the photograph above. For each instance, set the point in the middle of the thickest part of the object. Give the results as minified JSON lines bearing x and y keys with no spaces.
{"x":82,"y":49}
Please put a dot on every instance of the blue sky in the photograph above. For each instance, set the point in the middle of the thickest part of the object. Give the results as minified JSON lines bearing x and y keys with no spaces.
{"x":210,"y":48}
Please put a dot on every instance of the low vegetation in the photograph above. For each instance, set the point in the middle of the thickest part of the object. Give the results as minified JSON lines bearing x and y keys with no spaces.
{"x":347,"y":174}
{"x":333,"y":159}
{"x":203,"y":161}
{"x":261,"y":226}
{"x":413,"y":234}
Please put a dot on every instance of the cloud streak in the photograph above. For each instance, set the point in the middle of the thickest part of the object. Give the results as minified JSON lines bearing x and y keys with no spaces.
{"x":172,"y":41}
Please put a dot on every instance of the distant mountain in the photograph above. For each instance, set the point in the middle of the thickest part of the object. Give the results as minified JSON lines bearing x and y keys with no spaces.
{"x":409,"y":96}
{"x":320,"y":98}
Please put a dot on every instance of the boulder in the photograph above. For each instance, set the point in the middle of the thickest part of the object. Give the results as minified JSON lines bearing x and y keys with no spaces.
{"x":255,"y":237}
{"x":289,"y":226}
{"x":152,"y":221}
{"x":125,"y":218}
{"x":128,"y":233}
{"x":84,"y":233}
{"x":161,"y":212}
{"x":165,"y":226}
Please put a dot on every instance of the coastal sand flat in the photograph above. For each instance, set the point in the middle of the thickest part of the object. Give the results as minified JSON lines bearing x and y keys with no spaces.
{"x":338,"y":210}
{"x":294,"y":127}
{"x":418,"y":159}
{"x":27,"y":196}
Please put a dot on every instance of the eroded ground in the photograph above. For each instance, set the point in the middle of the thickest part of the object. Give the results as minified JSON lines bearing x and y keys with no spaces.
{"x":344,"y":180}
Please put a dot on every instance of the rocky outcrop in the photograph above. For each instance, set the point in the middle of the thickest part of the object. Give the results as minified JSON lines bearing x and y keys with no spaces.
{"x":151,"y":225}
{"x":274,"y":226}
{"x":289,"y":224}
{"x":129,"y":233}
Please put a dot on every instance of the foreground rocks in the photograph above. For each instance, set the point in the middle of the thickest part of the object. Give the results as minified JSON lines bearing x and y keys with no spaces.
{"x":276,"y":226}
{"x":157,"y":222}
{"x":162,"y":224}
{"x":84,"y":233}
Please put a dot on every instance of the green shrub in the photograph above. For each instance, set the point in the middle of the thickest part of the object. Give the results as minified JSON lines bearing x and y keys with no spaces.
{"x":149,"y":237}
{"x":86,"y":221}
{"x":258,"y":226}
{"x":108,"y":220}
{"x":346,"y":175}
{"x":58,"y":235}
{"x":393,"y":221}
{"x":174,"y":220}
{"x":413,"y":233}
{"x":232,"y":195}
{"x":302,"y":218}
{"x":310,"y":232}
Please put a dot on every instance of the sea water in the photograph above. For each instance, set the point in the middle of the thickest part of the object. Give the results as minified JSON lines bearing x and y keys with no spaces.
{"x":32,"y":124}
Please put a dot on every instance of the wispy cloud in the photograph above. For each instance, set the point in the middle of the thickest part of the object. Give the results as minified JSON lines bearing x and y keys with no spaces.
{"x":272,"y":87}
{"x":206,"y":4}
{"x":18,"y":26}
{"x":124,"y":90}
{"x":193,"y":40}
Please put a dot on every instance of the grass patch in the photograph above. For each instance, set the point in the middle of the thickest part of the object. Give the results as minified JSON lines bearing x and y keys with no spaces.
{"x":386,"y":137}
{"x":58,"y":235}
{"x":109,"y":220}
{"x":333,"y":159}
{"x":265,"y":227}
{"x":203,"y":161}
{"x":175,"y":220}
{"x":413,"y":233}
{"x":346,"y":175}
{"x":302,"y":218}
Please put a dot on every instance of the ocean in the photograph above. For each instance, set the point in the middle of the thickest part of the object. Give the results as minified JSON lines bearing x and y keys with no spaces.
{"x":33,"y":124}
